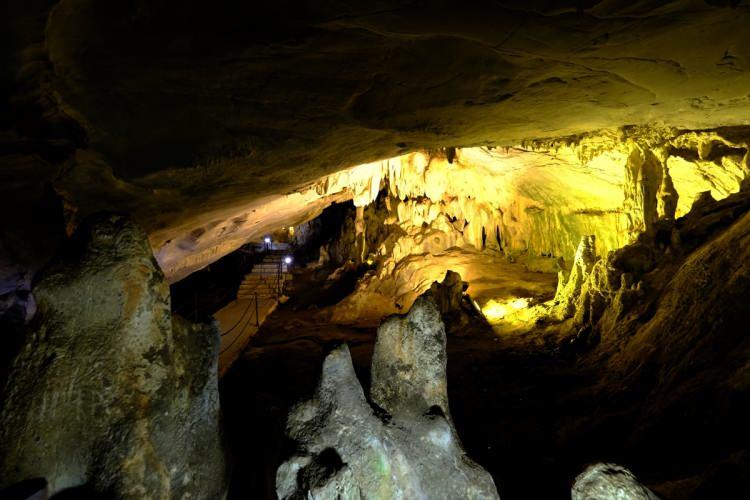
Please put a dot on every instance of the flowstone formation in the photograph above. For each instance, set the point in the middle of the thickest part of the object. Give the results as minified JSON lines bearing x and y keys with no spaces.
{"x":110,"y":392}
{"x":403,"y":444}
{"x":609,"y":481}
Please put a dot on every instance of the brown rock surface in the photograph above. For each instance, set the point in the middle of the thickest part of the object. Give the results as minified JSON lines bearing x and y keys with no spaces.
{"x":109,"y":390}
{"x":200,"y":120}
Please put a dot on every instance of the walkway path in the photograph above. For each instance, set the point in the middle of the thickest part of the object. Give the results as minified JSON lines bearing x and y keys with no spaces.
{"x":257,"y":297}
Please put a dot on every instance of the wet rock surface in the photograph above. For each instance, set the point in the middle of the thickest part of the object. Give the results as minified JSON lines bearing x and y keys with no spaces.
{"x":403,"y":446}
{"x":109,"y":391}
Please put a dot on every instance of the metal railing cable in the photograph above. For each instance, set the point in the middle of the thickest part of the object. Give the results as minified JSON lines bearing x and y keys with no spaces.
{"x":279,"y":272}
{"x":242,"y":316}
{"x":249,"y":318}
{"x":278,"y":281}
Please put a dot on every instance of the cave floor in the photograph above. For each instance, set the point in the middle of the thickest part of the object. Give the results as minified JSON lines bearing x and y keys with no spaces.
{"x":528,"y":410}
{"x":507,"y":392}
{"x":508,"y":396}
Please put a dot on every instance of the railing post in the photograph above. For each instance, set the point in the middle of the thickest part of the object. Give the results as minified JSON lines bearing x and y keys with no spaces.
{"x":257,"y":318}
{"x":278,"y":280}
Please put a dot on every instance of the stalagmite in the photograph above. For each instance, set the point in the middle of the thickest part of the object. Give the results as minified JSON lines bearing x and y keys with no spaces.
{"x":405,"y":446}
{"x":110,"y":391}
{"x":359,"y":234}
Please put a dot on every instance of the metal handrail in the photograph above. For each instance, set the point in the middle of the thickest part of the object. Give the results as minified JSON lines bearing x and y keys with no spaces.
{"x":279,"y":274}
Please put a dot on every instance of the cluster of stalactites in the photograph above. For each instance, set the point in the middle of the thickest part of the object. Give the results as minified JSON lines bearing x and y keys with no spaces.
{"x":542,"y":197}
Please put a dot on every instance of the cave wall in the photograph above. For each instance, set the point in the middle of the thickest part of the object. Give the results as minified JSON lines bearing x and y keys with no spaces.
{"x":541,"y":197}
{"x":531,"y":204}
{"x":666,"y":317}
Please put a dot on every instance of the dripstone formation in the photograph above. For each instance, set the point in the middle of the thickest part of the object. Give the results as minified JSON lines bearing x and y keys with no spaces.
{"x":402,"y":444}
{"x":109,"y":392}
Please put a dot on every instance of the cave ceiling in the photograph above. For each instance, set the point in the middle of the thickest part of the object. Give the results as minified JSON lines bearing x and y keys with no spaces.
{"x":171,"y":110}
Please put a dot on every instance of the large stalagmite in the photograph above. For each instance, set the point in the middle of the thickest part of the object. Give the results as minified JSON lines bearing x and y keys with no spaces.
{"x":403,"y":447}
{"x":109,"y":391}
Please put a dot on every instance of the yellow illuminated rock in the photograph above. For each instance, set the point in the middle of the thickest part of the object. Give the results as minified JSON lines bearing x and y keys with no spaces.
{"x":495,"y":310}
{"x":532,"y":204}
{"x":534,"y":200}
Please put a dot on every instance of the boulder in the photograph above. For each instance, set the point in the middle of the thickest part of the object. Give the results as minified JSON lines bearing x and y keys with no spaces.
{"x":609,"y":481}
{"x":403,"y":444}
{"x":109,"y":391}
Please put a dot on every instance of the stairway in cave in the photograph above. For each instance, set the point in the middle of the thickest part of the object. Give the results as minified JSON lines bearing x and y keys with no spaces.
{"x":266,"y":280}
{"x":257,"y":297}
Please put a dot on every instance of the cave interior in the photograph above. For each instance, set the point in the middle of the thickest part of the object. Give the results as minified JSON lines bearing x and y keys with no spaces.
{"x":387,"y":249}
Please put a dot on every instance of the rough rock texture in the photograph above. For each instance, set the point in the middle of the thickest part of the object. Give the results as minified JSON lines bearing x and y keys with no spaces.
{"x":409,"y":362}
{"x":532,"y":204}
{"x":109,"y":390}
{"x":569,"y":287}
{"x":665,"y":321}
{"x":189,"y":116}
{"x":607,"y":482}
{"x":404,"y":447}
{"x":448,"y":295}
{"x":604,"y":290}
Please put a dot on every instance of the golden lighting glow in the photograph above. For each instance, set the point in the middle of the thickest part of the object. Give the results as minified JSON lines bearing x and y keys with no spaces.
{"x":496,"y":310}
{"x":291,"y":230}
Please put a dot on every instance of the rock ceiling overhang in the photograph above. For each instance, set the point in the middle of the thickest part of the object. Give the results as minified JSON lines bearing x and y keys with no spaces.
{"x":170,"y":110}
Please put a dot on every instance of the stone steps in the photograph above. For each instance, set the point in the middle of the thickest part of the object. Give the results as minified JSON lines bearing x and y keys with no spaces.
{"x":266,"y":281}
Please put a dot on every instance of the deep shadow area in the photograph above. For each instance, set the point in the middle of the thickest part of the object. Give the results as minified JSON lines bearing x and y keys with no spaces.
{"x":530,"y":412}
{"x":280,"y":366}
{"x":208,"y":290}
{"x":507,"y":397}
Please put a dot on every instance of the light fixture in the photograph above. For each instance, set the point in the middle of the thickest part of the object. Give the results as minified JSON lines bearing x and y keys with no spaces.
{"x":267,"y":239}
{"x":287,"y":260}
